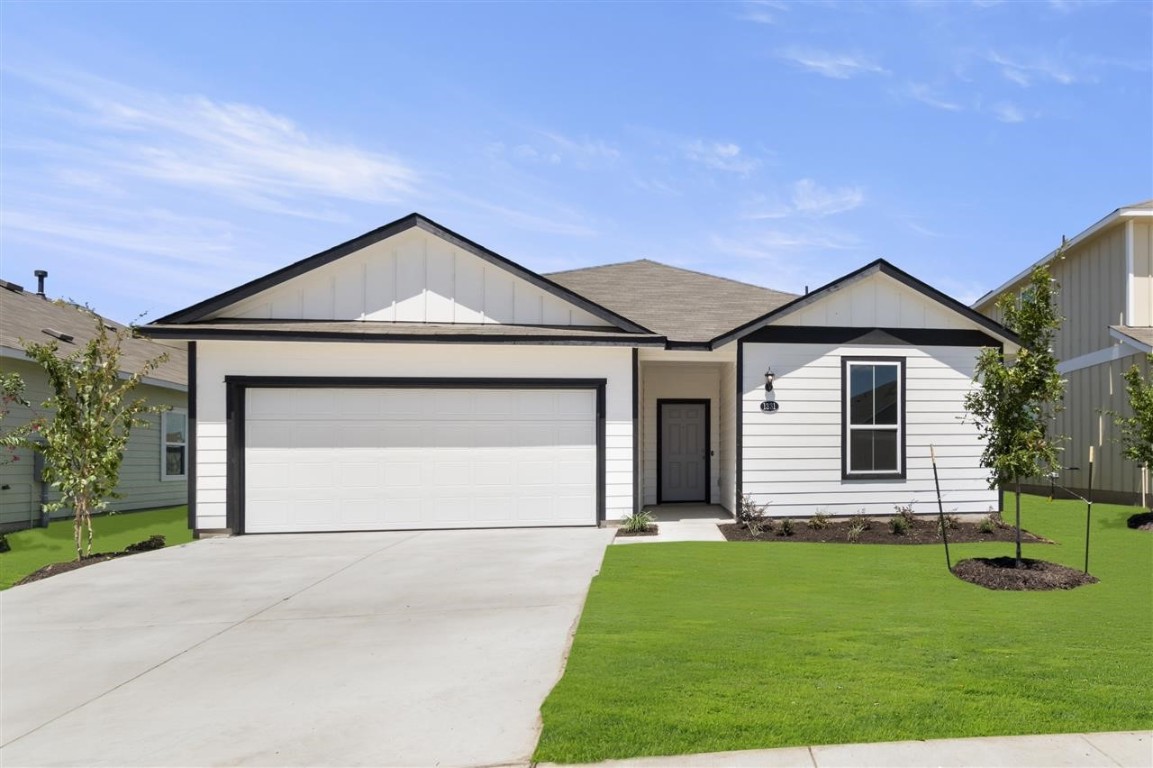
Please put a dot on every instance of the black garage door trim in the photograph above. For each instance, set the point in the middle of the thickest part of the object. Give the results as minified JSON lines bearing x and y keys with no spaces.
{"x":236,"y":389}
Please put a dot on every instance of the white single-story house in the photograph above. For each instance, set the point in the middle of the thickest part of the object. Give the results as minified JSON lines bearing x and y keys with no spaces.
{"x":412,"y":379}
{"x":153,"y":472}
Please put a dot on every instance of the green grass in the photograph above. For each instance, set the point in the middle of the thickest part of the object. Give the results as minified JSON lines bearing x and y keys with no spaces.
{"x":35,"y":548}
{"x":702,"y":647}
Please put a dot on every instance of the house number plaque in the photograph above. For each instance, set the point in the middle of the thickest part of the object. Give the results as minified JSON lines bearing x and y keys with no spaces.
{"x":770,"y":406}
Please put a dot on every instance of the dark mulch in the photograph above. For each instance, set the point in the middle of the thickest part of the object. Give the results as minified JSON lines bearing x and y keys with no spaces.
{"x":1142,"y":521}
{"x":54,"y":569}
{"x":1002,"y":573}
{"x":922,"y":531}
{"x":650,"y":530}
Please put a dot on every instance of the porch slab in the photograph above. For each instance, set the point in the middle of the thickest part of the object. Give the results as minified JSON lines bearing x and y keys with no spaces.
{"x":683,"y":522}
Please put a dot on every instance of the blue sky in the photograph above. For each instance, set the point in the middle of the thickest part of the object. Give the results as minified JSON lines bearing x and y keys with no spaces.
{"x":154,"y":154}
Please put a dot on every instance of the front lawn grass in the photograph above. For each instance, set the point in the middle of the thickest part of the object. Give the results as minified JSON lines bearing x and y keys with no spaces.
{"x":702,"y":647}
{"x":37,"y":547}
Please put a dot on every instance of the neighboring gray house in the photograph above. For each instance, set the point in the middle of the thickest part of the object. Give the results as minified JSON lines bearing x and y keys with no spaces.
{"x":155,"y":468}
{"x":411,"y":378}
{"x":1106,"y":298}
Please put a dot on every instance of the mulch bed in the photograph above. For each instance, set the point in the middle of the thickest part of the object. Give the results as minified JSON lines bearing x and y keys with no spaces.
{"x":921,"y":531}
{"x":650,"y":530}
{"x":1142,"y":521}
{"x":1002,"y":573}
{"x":54,"y":569}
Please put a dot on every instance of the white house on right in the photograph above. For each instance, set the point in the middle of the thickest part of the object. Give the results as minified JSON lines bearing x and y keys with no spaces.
{"x":1106,"y":298}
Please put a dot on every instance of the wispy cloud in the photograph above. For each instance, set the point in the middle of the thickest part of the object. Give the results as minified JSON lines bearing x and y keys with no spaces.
{"x":552,"y":148}
{"x":1027,"y":72}
{"x":840,"y":66}
{"x":242,"y":152}
{"x":807,"y":198}
{"x":1008,"y":112}
{"x":928,"y":96}
{"x":761,"y":11}
{"x":720,"y":156}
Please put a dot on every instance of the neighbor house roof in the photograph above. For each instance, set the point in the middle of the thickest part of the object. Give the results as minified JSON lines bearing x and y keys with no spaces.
{"x":1136,"y":336}
{"x":680,"y":304}
{"x":1124,"y":213}
{"x":28,"y":317}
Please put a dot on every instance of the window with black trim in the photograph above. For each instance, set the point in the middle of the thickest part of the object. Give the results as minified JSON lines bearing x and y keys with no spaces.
{"x":173,"y":444}
{"x":873,"y":435}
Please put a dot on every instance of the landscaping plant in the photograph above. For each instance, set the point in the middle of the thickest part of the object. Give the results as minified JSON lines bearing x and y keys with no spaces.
{"x":1137,"y":430}
{"x":752,"y":516}
{"x":1015,"y":403}
{"x":92,"y":414}
{"x":638,"y":522}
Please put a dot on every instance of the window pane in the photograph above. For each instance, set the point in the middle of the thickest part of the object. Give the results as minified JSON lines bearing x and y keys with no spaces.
{"x":175,"y":427}
{"x":860,"y":394}
{"x":886,"y":395}
{"x":873,"y":450}
{"x":174,"y":460}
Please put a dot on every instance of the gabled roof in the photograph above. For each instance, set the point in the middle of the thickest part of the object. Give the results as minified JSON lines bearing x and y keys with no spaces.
{"x":1125,"y":212}
{"x":1140,"y":337}
{"x":684,"y":306}
{"x":26,"y":316}
{"x":207,"y":307}
{"x":880,"y":266}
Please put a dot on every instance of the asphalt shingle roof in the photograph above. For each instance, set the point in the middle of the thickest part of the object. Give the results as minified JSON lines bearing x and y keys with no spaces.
{"x":24,"y":316}
{"x":678,"y":303}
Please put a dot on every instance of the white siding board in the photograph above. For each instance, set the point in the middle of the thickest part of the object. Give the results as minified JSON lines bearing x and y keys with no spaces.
{"x":792,"y":458}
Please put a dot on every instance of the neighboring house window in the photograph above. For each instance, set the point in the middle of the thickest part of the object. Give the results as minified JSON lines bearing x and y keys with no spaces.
{"x":174,"y":445}
{"x":873,"y":437}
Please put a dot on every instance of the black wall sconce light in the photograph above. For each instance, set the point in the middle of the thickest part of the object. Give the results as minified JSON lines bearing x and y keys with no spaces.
{"x":769,"y":376}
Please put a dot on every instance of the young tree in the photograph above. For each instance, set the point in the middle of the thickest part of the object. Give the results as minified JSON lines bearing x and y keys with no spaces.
{"x":1137,"y":430}
{"x":92,"y":415}
{"x":11,"y":394}
{"x":1015,"y":404}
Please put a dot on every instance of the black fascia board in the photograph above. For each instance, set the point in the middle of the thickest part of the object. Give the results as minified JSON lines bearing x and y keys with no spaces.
{"x":193,"y":331}
{"x":884,"y":267}
{"x":204,"y":308}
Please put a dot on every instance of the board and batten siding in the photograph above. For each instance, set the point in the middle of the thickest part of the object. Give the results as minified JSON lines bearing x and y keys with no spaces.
{"x":412,"y":277}
{"x":218,"y":359}
{"x":791,"y":459}
{"x":678,"y":381}
{"x":140,"y":484}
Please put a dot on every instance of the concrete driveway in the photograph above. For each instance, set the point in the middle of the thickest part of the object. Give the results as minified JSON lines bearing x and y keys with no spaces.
{"x":426,"y":648}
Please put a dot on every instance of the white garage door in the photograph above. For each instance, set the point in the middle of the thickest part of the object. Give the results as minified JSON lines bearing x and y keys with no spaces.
{"x":396,"y":459}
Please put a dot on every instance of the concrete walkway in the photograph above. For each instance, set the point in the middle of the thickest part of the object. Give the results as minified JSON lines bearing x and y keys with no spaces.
{"x":1080,"y":750}
{"x":382,"y":649}
{"x":683,"y":522}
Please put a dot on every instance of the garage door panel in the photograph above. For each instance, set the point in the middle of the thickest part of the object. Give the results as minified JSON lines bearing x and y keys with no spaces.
{"x":364,"y":459}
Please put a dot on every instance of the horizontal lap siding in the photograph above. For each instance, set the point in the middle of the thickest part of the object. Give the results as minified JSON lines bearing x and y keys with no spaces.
{"x":792,"y":458}
{"x":215,"y":360}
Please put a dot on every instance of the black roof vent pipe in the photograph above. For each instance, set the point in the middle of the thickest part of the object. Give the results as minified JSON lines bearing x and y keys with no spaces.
{"x":40,"y":275}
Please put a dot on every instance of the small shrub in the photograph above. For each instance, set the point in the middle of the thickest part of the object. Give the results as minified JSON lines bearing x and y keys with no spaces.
{"x":751,"y":515}
{"x":898,"y":525}
{"x":987,"y":524}
{"x":951,"y":523}
{"x":858,"y":527}
{"x":787,"y":528}
{"x":4,"y":545}
{"x":638,"y":523}
{"x":864,"y":520}
{"x":155,"y":541}
{"x":819,"y":521}
{"x":906,"y":514}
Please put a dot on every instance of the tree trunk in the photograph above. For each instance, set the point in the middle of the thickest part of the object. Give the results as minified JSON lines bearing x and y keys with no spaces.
{"x":1018,"y":499}
{"x":77,"y":529}
{"x":88,"y":521}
